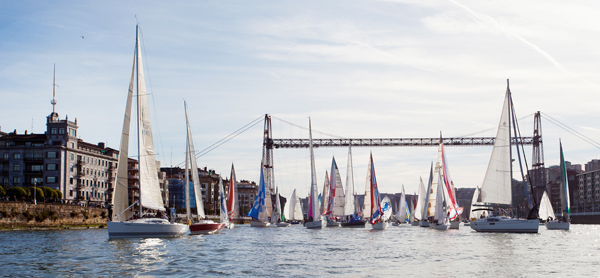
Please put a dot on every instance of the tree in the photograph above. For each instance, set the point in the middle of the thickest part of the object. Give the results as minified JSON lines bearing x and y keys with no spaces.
{"x":17,"y":192}
{"x":2,"y":191}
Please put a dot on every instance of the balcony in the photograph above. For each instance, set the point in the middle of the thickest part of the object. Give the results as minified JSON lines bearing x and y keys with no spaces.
{"x":33,"y":158}
{"x":31,"y":171}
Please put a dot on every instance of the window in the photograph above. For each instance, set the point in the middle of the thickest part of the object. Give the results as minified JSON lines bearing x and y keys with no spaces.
{"x":17,"y":167}
{"x":70,"y":180}
{"x":51,"y":167}
{"x":51,"y":179}
{"x":51,"y":155}
{"x":70,"y":193}
{"x":61,"y":130}
{"x":53,"y":130}
{"x":16,"y":180}
{"x":72,"y":156}
{"x":17,"y":156}
{"x":37,"y":168}
{"x":6,"y":156}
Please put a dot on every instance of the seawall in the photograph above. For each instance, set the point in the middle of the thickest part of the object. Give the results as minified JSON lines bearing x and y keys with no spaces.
{"x":20,"y":215}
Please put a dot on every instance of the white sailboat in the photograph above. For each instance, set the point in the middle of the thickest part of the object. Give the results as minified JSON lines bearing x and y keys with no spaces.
{"x":203,"y":225}
{"x":427,"y":205}
{"x":400,"y":216}
{"x":325,"y":194}
{"x":315,"y":221}
{"x":150,"y":195}
{"x":563,"y":223}
{"x":292,"y":210}
{"x":496,"y":186}
{"x":476,"y":210}
{"x":232,"y":199}
{"x":440,"y":219}
{"x":351,"y":207}
{"x":377,"y":216}
{"x":418,"y":213}
{"x":259,"y":211}
{"x":545,"y":211}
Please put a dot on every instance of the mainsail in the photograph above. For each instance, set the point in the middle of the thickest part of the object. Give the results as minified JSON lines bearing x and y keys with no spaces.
{"x":421,"y":199}
{"x":368,"y":196}
{"x":564,"y":187}
{"x":325,"y":195}
{"x":336,"y":198}
{"x":313,"y":210}
{"x":496,"y":188}
{"x":293,"y":209}
{"x":376,"y":208}
{"x":259,"y":210}
{"x":349,"y":205}
{"x":546,"y":210}
{"x":193,"y":166}
{"x":232,"y":199}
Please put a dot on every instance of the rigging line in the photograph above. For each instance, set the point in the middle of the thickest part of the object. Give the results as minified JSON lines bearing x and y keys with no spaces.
{"x":589,"y":141}
{"x":493,"y":128}
{"x":147,"y":66}
{"x":564,"y":126}
{"x":314,"y":131}
{"x":206,"y":150}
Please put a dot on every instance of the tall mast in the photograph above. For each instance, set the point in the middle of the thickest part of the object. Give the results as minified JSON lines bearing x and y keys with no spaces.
{"x":187,"y":174}
{"x":137,"y":70}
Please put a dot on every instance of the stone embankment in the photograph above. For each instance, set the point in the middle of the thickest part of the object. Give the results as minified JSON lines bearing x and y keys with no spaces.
{"x":22,"y":215}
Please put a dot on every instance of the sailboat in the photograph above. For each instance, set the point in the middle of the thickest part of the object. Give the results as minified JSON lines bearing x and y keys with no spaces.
{"x":427,"y":204}
{"x":476,"y":210}
{"x":232,"y":204}
{"x":336,"y":198}
{"x":351,"y":207}
{"x":203,"y":225}
{"x":315,"y":221}
{"x":400,"y":216}
{"x":496,"y":187}
{"x":376,"y":213}
{"x":259,"y":211}
{"x":441,"y":219}
{"x":292,"y":210}
{"x":277,"y":218}
{"x":546,"y":213}
{"x":563,"y":223}
{"x":149,"y":188}
{"x":418,"y":213}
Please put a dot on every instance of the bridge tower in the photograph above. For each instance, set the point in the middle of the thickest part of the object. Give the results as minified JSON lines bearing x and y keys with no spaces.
{"x":267,"y":155}
{"x":538,"y":171}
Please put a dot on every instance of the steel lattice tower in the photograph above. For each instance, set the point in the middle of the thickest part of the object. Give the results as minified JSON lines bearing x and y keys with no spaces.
{"x":538,"y":171}
{"x":267,"y":156}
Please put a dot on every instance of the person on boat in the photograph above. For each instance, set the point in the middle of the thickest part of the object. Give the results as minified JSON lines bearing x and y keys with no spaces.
{"x":110,"y":212}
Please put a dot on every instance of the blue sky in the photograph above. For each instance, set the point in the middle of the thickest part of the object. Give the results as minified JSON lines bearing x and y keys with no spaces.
{"x":359,"y":69}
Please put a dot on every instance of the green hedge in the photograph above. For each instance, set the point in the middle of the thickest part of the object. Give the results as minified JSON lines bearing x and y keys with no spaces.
{"x":18,"y":192}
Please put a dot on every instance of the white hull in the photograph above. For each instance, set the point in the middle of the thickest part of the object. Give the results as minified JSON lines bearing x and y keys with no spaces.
{"x":454,"y":225}
{"x":146,"y":228}
{"x":283,"y":224}
{"x":558,"y":225}
{"x":319,"y":224}
{"x":414,"y":223}
{"x":380,"y":226}
{"x":259,"y":224}
{"x":505,"y":225}
{"x":230,"y":226}
{"x":423,"y":223}
{"x":441,"y":227}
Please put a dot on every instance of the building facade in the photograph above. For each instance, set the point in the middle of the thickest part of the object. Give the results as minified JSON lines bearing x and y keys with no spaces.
{"x":82,"y":171}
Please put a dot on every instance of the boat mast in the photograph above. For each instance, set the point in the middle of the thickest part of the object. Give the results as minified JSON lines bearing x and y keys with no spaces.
{"x":137,"y":69}
{"x":186,"y":186}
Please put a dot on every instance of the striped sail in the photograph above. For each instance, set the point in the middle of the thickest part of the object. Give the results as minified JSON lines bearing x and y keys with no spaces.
{"x":232,"y":199}
{"x":336,"y":198}
{"x":376,"y":209}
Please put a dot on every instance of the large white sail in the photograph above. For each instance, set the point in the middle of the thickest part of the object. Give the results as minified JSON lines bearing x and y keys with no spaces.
{"x":191,"y":154}
{"x":421,"y":199}
{"x":476,"y":214}
{"x":293,"y":209}
{"x":401,"y":214}
{"x":441,"y":206}
{"x":349,"y":202}
{"x":150,"y":195}
{"x":325,"y":195}
{"x":545,"y":210}
{"x":434,"y":184}
{"x":496,"y":186}
{"x":120,"y":194}
{"x":337,"y":197}
{"x":428,"y":192}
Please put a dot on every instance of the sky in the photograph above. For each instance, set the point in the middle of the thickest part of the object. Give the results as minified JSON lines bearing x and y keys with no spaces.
{"x":358,"y":69}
